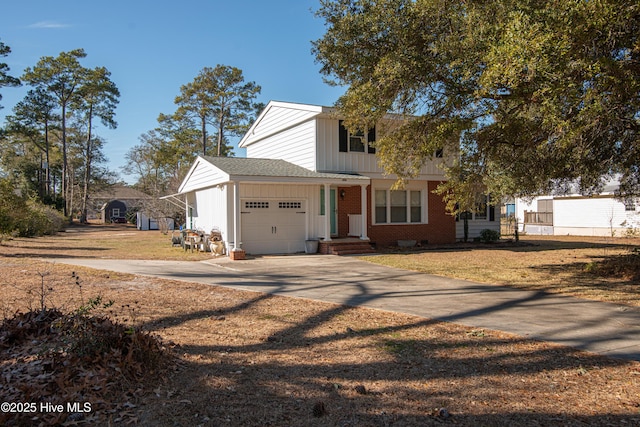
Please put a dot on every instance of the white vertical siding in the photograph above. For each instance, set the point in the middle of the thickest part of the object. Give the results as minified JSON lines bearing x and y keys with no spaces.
{"x":295,"y":145}
{"x":330,"y":159}
{"x":210,"y":210}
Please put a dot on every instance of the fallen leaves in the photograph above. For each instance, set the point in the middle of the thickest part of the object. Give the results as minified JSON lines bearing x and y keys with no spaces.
{"x":64,"y":359}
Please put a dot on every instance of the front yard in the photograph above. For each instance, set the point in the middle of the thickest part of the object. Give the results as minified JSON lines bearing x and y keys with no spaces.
{"x":242,"y":358}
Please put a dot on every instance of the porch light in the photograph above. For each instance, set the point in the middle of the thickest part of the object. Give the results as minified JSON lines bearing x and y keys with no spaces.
{"x":342,"y":194}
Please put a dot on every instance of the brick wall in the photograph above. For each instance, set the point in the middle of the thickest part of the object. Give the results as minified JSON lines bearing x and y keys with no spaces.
{"x":350,"y":204}
{"x":440,"y":229}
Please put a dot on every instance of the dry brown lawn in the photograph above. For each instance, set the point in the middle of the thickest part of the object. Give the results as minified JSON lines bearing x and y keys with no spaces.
{"x":598,"y":268}
{"x":242,"y":358}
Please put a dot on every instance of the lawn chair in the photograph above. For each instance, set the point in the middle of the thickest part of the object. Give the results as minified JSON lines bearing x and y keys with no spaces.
{"x":190,"y":239}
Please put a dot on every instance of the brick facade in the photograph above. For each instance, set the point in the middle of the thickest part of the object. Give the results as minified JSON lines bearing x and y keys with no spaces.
{"x":440,"y":229}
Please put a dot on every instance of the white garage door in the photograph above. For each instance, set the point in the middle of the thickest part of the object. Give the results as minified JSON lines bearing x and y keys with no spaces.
{"x":273,"y":226}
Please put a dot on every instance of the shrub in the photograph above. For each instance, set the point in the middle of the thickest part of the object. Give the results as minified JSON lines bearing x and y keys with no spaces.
{"x":489,"y":236}
{"x":38,"y":220}
{"x":25,"y":217}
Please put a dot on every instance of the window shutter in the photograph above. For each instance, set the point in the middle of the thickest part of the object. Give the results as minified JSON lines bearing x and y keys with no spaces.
{"x":371,"y":137}
{"x":492,"y":210}
{"x":342,"y":137}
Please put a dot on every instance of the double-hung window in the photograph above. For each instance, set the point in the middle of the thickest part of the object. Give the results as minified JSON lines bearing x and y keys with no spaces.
{"x":398,"y":206}
{"x":358,"y":142}
{"x":484,"y":211}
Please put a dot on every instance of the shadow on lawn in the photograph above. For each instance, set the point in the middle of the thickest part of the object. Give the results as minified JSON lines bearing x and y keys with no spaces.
{"x":598,"y":279}
{"x":420,"y":374}
{"x":524,"y":245}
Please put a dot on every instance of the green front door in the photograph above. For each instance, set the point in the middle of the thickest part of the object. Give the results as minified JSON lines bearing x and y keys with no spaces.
{"x":332,"y":208}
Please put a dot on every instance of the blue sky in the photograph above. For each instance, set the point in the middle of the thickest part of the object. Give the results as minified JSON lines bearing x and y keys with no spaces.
{"x":152,"y":48}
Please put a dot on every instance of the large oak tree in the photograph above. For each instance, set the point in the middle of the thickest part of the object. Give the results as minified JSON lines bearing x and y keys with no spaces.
{"x":528,"y":94}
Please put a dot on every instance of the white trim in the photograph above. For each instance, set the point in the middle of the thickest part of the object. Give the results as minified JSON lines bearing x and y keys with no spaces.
{"x":363,"y":212}
{"x":317,"y":109}
{"x":237,"y":232}
{"x":421,"y":186}
{"x":327,"y":213}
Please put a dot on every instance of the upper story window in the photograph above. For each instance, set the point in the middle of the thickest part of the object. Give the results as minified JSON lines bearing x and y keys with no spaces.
{"x":356,"y":142}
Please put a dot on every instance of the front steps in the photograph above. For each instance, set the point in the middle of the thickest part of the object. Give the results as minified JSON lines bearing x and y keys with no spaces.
{"x":345,"y":247}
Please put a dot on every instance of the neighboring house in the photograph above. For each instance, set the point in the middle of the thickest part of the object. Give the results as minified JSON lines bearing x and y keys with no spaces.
{"x":306,"y":177}
{"x":574,"y":214}
{"x":485,"y":217}
{"x":115,"y":202}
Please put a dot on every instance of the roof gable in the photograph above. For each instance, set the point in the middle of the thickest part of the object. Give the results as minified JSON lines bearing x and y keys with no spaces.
{"x":278,"y":116}
{"x":202,"y":174}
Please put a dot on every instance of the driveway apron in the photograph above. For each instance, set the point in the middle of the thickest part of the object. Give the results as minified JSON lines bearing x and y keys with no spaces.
{"x":607,"y":329}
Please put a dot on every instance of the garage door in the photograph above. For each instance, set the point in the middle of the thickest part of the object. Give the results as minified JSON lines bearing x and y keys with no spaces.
{"x":273,"y":226}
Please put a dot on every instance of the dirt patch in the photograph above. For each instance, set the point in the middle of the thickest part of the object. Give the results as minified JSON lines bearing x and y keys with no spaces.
{"x":249,"y":359}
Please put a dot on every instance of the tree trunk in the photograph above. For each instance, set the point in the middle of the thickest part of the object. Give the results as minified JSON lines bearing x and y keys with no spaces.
{"x":204,"y":136}
{"x":48,"y":165}
{"x":71,"y":191}
{"x":220,"y":125}
{"x":64,"y":183}
{"x":87,"y":170}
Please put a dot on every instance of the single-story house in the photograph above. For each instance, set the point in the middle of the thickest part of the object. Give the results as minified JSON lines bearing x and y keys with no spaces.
{"x":306,"y":177}
{"x":571,"y":213}
{"x":114,"y":202}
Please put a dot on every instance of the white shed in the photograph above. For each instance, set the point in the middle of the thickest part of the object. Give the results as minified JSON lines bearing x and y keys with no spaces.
{"x":144,"y":222}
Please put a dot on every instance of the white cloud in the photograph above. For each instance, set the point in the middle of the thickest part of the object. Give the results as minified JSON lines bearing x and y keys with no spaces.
{"x":48,"y":24}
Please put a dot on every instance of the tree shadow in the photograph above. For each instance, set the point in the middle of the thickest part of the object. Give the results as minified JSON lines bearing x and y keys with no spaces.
{"x":407,"y":374}
{"x":597,"y":278}
{"x":92,"y":252}
{"x":524,"y":245}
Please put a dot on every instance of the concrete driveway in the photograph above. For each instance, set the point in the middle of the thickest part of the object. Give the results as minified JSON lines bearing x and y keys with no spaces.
{"x":607,"y":329}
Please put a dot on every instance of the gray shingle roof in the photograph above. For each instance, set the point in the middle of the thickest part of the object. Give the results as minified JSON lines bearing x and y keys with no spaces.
{"x":241,"y":166}
{"x":120,"y":192}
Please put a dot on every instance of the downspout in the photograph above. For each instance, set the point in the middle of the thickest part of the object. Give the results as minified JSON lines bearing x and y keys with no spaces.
{"x":327,"y":212}
{"x":236,"y":216}
{"x":363,"y":212}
